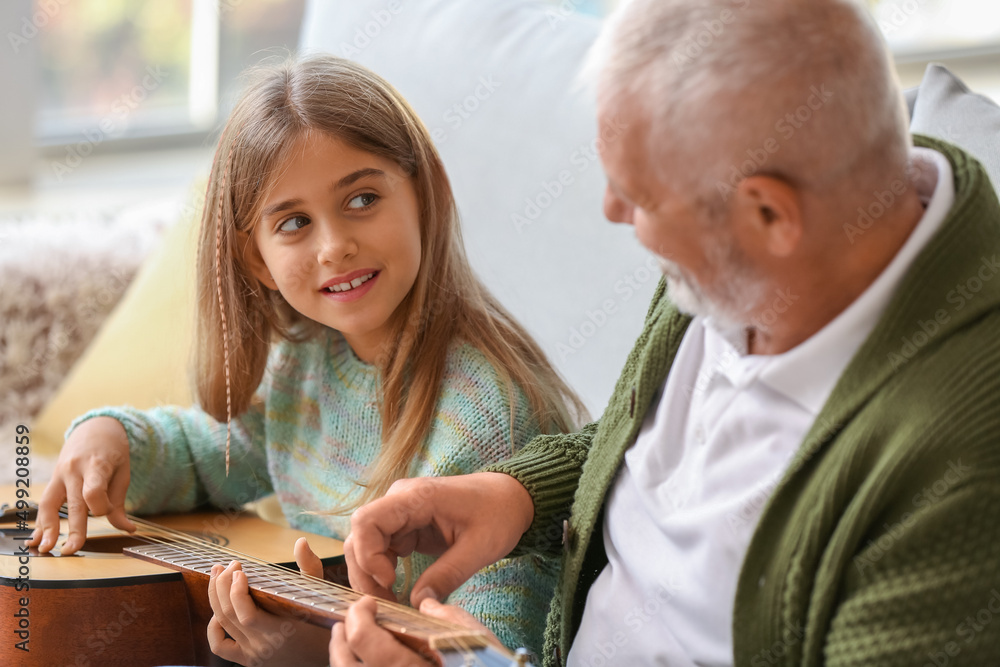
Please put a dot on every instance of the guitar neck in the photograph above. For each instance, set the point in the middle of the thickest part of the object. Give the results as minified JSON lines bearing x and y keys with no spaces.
{"x":288,"y":593}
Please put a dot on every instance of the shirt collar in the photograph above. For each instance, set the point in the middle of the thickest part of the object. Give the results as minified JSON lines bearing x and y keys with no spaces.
{"x":808,"y":372}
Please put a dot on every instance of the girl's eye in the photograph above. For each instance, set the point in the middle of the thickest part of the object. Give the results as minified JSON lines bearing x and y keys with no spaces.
{"x":294,"y":224}
{"x":363,"y":201}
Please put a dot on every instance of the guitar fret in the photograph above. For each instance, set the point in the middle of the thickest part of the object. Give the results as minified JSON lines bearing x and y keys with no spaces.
{"x":300,"y":597}
{"x":321,"y":596}
{"x":190,"y":561}
{"x":309,"y":596}
{"x":285,"y":588}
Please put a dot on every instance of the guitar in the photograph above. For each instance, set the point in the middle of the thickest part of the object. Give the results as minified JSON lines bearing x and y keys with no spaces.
{"x":143,"y":599}
{"x":287,"y":592}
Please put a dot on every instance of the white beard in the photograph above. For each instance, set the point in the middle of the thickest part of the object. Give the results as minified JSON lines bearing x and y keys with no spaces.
{"x":735,"y":295}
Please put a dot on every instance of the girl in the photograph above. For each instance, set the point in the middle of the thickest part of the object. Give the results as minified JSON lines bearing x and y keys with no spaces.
{"x":343,"y":343}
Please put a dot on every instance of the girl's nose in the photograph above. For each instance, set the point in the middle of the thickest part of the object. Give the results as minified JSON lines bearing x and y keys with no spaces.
{"x":335,"y":244}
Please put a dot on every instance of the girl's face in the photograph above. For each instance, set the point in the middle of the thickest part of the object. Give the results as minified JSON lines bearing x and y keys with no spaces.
{"x":339,"y":237}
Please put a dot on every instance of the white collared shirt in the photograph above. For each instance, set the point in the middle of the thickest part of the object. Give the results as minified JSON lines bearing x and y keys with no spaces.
{"x":685,"y":503}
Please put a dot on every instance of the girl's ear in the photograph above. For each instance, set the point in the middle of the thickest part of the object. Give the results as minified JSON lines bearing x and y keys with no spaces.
{"x":257,"y":265}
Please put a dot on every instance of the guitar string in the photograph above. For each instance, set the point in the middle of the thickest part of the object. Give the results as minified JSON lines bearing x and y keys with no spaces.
{"x":456,"y":637}
{"x":280,"y":571}
{"x":457,"y":642}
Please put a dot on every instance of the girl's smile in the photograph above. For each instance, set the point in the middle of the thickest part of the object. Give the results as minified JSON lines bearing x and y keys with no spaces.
{"x":339,"y":237}
{"x":352,"y":286}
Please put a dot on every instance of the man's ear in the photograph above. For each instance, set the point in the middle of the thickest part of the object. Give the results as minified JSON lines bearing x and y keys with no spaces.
{"x":769,"y":211}
{"x":256,"y":262}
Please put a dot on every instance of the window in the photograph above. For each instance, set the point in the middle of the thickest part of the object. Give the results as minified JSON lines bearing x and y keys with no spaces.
{"x":917,"y":28}
{"x":113,"y":69}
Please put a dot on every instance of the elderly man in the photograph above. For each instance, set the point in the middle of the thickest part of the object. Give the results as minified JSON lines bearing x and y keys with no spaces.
{"x":800,"y":464}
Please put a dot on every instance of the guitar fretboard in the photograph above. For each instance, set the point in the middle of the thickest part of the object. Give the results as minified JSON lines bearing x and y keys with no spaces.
{"x":320,"y":601}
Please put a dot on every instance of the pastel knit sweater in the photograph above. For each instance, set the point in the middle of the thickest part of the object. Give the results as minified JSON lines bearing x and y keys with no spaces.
{"x":881,"y":544}
{"x":312,"y":432}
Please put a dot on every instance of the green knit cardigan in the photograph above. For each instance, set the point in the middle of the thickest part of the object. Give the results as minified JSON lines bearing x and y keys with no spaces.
{"x":881,"y":544}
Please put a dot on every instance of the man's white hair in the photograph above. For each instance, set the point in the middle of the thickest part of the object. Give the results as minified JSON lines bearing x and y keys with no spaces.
{"x":802,"y":89}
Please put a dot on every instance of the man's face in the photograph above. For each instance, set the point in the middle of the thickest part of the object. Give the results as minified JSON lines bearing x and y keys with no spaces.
{"x":707,"y":272}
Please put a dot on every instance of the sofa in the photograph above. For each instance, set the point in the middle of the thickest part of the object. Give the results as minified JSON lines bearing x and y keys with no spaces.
{"x":496,"y":84}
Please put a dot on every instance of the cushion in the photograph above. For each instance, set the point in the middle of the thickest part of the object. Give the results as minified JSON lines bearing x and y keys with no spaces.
{"x":140,"y":355}
{"x":494,"y":83}
{"x":946,"y":109}
{"x":70,"y":270}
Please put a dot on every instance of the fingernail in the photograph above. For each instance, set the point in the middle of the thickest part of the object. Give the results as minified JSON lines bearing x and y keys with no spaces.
{"x":427,"y":594}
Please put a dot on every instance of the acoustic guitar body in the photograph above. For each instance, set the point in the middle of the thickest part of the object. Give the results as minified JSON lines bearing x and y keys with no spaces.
{"x":100,"y":607}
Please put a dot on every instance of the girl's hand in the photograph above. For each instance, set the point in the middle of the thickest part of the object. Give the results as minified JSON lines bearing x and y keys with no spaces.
{"x":255,"y":637}
{"x":92,"y":473}
{"x":359,"y":640}
{"x":308,"y":562}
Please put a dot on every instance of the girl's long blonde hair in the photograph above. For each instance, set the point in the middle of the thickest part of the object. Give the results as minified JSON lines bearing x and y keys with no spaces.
{"x":446,"y":303}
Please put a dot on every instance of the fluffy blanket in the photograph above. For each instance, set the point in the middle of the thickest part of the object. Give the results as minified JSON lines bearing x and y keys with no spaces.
{"x":60,"y":277}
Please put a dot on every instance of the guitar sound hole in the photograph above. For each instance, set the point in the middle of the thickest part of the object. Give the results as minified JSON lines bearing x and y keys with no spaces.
{"x":12,"y":540}
{"x":112,"y":544}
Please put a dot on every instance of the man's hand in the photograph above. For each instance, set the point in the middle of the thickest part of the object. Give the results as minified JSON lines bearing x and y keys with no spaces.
{"x":470,"y":521}
{"x":359,"y":640}
{"x":92,"y":473}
